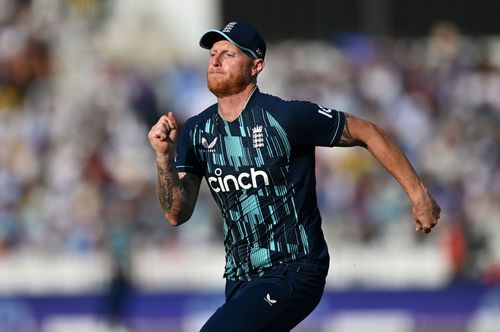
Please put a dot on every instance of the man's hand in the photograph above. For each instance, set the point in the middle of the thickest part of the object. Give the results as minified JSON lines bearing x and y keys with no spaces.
{"x":163,"y":135}
{"x":426,"y":213}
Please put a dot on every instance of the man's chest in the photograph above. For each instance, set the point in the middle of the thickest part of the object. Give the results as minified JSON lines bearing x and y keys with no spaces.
{"x":243,"y":154}
{"x":255,"y":139}
{"x":234,"y":147}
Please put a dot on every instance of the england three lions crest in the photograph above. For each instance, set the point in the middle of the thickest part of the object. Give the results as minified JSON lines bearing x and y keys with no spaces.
{"x":257,"y":137}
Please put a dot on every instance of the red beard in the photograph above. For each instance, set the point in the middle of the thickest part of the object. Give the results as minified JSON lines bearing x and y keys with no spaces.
{"x":223,"y":86}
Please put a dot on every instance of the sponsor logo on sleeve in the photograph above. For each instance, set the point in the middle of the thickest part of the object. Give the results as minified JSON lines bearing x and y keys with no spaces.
{"x":325,"y":111}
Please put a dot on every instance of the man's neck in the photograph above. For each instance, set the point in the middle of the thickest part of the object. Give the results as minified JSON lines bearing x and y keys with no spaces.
{"x":230,"y":107}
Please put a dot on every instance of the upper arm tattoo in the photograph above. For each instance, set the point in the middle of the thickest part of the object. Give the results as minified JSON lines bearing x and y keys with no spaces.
{"x":346,"y":137}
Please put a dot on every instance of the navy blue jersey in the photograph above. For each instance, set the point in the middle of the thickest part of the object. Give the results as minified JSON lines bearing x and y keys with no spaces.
{"x":261,"y":171}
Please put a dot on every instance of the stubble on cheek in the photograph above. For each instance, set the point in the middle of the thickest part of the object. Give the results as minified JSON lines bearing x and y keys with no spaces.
{"x":223,"y":86}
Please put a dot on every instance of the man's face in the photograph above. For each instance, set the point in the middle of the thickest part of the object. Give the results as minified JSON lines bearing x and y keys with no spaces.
{"x":229,"y":69}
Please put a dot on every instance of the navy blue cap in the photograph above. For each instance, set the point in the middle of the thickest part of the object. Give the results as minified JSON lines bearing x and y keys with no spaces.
{"x":240,"y":34}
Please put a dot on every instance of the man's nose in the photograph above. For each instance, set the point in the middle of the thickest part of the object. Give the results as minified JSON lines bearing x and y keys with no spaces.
{"x":215,"y":60}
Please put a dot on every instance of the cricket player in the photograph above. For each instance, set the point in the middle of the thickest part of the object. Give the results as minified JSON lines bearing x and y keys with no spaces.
{"x":257,"y":155}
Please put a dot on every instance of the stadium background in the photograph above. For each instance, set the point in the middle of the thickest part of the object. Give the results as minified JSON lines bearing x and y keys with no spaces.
{"x":83,"y":246}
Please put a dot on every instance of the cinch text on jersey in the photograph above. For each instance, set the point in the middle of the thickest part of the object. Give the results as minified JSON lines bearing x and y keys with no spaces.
{"x":231,"y":182}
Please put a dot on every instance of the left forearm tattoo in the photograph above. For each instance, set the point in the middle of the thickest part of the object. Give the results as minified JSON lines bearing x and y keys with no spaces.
{"x":165,"y":189}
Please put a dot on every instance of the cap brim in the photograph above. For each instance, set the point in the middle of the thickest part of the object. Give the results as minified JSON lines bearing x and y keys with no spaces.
{"x":210,"y":37}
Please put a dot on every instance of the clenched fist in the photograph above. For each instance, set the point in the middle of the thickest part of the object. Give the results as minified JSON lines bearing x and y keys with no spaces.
{"x":163,"y":135}
{"x":426,"y":213}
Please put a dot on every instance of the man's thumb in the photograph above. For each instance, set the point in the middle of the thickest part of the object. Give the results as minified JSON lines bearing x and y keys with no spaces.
{"x":171,"y":117}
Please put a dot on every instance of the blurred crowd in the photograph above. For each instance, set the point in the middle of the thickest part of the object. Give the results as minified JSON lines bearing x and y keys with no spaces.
{"x":77,"y":174}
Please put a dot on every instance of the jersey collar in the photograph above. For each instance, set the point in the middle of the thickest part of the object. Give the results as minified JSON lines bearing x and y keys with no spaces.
{"x":249,"y":101}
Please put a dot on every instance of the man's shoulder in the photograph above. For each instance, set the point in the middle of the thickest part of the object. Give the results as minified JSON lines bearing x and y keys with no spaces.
{"x":276,"y":103}
{"x":270,"y":98}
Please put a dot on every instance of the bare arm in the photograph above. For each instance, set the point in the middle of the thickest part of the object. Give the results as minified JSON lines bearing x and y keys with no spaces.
{"x":177,"y":192}
{"x":358,"y":132}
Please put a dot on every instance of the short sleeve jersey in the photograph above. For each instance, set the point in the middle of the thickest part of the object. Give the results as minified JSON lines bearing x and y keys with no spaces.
{"x":260,"y":169}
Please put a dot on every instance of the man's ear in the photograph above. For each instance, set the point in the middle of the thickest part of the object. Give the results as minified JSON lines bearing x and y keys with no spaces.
{"x":258,"y":66}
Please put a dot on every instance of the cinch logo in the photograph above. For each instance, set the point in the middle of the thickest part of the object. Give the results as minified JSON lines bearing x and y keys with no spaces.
{"x":230,"y":182}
